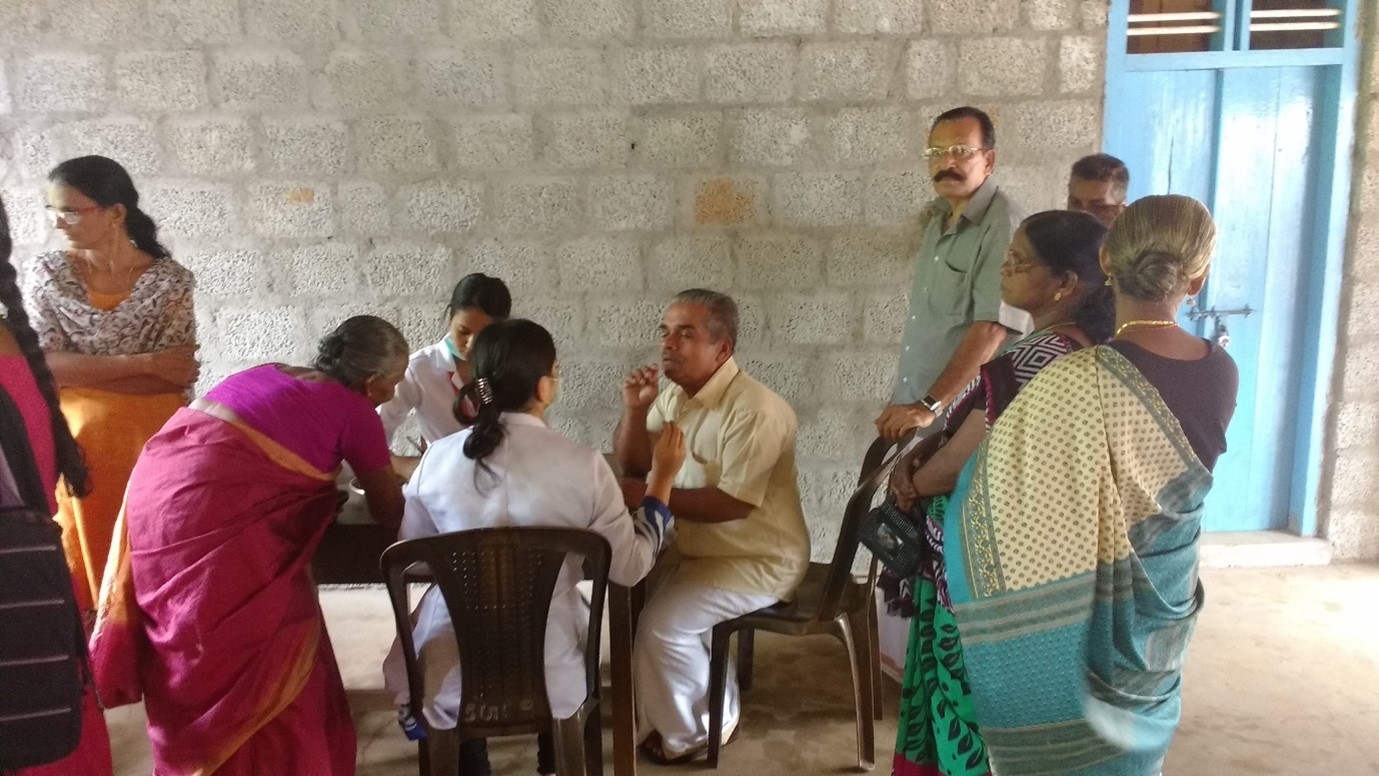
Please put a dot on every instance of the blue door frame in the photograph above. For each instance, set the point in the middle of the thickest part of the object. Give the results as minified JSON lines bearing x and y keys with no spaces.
{"x":1336,"y":126}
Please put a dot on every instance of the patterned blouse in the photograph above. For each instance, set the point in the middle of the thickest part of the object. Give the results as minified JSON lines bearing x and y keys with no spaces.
{"x":157,"y":315}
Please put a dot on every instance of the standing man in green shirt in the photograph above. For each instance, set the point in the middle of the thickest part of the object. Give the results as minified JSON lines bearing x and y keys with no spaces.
{"x":956,"y":321}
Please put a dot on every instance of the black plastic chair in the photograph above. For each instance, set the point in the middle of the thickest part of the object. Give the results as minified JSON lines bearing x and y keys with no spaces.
{"x":830,"y":601}
{"x":497,"y":584}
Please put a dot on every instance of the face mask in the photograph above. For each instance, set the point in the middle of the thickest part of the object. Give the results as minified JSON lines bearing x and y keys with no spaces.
{"x":454,"y":351}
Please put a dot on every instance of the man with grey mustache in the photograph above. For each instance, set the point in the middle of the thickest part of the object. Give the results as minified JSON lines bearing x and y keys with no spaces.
{"x":956,"y":321}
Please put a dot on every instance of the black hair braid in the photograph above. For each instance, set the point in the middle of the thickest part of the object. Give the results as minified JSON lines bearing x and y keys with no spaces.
{"x":144,"y":233}
{"x":485,"y":435}
{"x":69,"y":458}
{"x":512,"y":356}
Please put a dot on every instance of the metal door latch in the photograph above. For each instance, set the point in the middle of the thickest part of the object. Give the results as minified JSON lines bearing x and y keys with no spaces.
{"x":1211,"y":312}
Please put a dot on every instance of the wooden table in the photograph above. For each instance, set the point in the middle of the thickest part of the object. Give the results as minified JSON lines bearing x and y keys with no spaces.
{"x":348,"y":555}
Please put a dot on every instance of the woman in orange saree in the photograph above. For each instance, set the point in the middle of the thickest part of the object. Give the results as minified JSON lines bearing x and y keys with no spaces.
{"x":208,"y":609}
{"x":113,"y":313}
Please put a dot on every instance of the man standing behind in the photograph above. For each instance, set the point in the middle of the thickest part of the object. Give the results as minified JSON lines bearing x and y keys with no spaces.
{"x":1097,"y":185}
{"x":741,"y":542}
{"x":957,"y":320}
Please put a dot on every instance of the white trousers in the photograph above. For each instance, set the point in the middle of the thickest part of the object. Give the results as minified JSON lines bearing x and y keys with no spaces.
{"x":671,"y":661}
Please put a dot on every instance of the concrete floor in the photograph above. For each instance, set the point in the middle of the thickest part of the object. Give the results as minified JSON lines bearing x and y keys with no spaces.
{"x":1283,"y":678}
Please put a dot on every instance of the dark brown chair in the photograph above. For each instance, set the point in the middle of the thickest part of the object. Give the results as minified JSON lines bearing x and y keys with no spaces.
{"x":829,"y":601}
{"x":746,"y":641}
{"x":497,"y":584}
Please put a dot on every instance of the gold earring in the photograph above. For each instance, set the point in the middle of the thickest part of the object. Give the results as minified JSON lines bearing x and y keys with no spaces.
{"x":1057,"y":295}
{"x":1108,"y":281}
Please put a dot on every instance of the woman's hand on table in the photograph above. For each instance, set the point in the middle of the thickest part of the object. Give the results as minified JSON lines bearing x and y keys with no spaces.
{"x":404,"y":466}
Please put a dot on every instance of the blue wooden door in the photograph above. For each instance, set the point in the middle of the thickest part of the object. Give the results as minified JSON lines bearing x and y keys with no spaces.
{"x":1251,"y":134}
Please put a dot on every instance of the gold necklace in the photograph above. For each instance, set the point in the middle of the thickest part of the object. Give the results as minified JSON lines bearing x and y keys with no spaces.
{"x":84,"y":274}
{"x":1144,"y":324}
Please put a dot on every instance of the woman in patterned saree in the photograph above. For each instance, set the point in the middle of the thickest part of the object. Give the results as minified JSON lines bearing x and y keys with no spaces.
{"x":1052,"y":272}
{"x":114,"y":317}
{"x":1072,"y":540}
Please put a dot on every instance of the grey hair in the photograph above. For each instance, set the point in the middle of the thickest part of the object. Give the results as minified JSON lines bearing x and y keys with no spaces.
{"x":1159,"y":245}
{"x":362,"y":347}
{"x":722,"y":311}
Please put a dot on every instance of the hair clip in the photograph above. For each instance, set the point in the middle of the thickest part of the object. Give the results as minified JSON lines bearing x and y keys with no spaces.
{"x":484,"y":390}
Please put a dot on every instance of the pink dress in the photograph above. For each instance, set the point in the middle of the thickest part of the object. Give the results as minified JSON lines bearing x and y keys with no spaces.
{"x":92,"y":757}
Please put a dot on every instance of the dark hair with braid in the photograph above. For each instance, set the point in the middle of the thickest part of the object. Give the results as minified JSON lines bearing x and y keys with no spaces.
{"x":69,"y":461}
{"x":108,"y":185}
{"x":511,"y":356}
{"x":362,"y":347}
{"x":1070,"y":241}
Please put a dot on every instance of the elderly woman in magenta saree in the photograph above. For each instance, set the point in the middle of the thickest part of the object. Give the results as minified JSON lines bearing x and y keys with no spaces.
{"x":208,"y":610}
{"x":1071,"y":540}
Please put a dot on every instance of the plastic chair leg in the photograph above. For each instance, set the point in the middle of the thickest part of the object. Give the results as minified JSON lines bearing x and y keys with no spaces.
{"x":718,"y":689}
{"x":746,"y":649}
{"x":569,"y":747}
{"x":593,"y":743}
{"x":439,"y":753}
{"x":877,"y":682}
{"x":859,"y":653}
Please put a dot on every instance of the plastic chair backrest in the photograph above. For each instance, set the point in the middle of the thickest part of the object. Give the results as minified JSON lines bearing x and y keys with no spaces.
{"x":845,"y":551}
{"x":497,"y":584}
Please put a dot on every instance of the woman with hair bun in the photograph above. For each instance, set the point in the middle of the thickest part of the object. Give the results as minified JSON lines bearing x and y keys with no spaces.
{"x":1071,"y":542}
{"x":209,"y":610}
{"x":113,"y":313}
{"x":510,"y":469}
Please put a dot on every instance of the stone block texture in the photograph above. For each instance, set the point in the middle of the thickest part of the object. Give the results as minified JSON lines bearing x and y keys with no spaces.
{"x":1350,"y":488}
{"x":313,"y":159}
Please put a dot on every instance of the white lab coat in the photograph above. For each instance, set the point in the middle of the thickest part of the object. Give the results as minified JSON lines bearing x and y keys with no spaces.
{"x":428,"y":389}
{"x":539,"y":478}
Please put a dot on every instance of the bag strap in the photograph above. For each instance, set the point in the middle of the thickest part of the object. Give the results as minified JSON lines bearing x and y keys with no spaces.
{"x":19,"y":455}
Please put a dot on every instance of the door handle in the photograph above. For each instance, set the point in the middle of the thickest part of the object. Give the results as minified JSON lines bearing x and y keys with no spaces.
{"x":1221,"y":332}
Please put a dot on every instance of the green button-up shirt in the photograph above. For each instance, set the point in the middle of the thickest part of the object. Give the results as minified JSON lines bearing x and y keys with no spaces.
{"x":957,"y":282}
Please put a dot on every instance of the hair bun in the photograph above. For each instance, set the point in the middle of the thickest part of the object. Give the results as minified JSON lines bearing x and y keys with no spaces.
{"x":331,"y":349}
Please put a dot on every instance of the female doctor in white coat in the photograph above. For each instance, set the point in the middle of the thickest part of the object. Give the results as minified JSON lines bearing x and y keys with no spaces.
{"x":510,"y":469}
{"x":436,"y":373}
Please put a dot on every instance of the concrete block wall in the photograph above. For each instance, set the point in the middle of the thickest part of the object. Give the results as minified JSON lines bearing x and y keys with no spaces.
{"x":310,"y":159}
{"x":1351,"y":509}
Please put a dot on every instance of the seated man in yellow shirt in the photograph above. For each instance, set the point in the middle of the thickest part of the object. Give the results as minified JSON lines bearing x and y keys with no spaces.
{"x":741,"y":542}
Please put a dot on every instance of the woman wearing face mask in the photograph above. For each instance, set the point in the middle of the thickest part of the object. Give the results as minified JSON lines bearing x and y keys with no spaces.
{"x":510,"y":469}
{"x":114,"y":317}
{"x":209,"y":610}
{"x":436,"y":373}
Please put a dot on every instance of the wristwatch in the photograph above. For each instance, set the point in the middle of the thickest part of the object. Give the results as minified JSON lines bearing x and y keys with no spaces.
{"x":931,"y":404}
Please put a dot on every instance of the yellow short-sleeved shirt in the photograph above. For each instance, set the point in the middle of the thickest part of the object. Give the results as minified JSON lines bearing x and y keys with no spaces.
{"x":739,"y":438}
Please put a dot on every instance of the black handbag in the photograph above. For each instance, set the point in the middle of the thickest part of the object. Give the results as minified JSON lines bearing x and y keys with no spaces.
{"x":43,"y":666}
{"x":894,"y":537}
